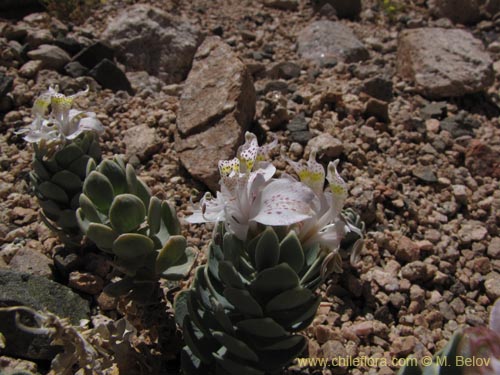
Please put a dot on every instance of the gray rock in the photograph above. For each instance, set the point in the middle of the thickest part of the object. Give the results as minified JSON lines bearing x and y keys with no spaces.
{"x":378,"y":87}
{"x":141,"y":141}
{"x":32,"y":262}
{"x":377,"y":108}
{"x":109,"y":76}
{"x":216,"y":107}
{"x":70,"y":45}
{"x":327,"y":146}
{"x":285,"y":70}
{"x":36,"y":37}
{"x":492,"y":286}
{"x":433,"y":110}
{"x":6,"y":83}
{"x":425,"y":174}
{"x":147,"y":38}
{"x":92,"y":55}
{"x":494,"y":248}
{"x":143,"y":81}
{"x":322,"y":41}
{"x":454,"y":64}
{"x":75,"y":69}
{"x":52,"y":57}
{"x":298,"y":123}
{"x":39,"y":293}
{"x":458,"y":11}
{"x":15,"y":32}
{"x":30,"y":69}
{"x":343,"y":8}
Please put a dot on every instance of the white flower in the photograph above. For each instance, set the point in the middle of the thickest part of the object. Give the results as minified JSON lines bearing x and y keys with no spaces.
{"x":326,"y":226}
{"x":62,"y":122}
{"x":249,"y":196}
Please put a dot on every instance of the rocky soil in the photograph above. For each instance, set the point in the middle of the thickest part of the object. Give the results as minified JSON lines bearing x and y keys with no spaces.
{"x":406,"y":97}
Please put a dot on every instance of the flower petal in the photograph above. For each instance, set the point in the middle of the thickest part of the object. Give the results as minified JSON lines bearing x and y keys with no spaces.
{"x":338,"y":186}
{"x":91,"y":124}
{"x":247,"y":153}
{"x":283,"y":202}
{"x":313,"y":175}
{"x":211,"y":210}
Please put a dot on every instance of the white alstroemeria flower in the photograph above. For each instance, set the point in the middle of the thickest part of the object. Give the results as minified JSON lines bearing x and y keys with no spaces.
{"x":248,"y":196}
{"x":326,"y":226}
{"x":62,"y":122}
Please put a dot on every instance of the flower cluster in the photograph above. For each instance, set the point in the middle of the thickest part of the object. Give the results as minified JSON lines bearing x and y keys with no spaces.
{"x":62,"y":122}
{"x":250,"y":194}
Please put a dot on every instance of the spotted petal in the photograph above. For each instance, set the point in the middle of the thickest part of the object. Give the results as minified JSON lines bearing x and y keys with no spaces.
{"x":283,"y":202}
{"x":247,"y":153}
{"x":313,"y":174}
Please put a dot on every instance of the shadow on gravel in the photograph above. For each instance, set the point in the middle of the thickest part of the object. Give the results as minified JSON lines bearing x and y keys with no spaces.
{"x":480,"y":104}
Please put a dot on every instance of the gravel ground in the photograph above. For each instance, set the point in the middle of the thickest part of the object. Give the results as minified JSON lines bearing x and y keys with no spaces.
{"x":424,"y":179}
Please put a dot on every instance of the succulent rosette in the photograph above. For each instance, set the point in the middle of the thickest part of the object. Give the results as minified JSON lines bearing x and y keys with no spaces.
{"x":64,"y":140}
{"x":275,"y":242}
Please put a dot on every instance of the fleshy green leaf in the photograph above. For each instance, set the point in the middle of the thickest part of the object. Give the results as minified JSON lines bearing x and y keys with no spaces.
{"x":51,"y":191}
{"x":170,"y":218}
{"x":154,"y":215}
{"x":242,"y":300}
{"x":131,"y":245}
{"x":67,"y":180}
{"x":99,"y":190}
{"x":79,"y":166}
{"x":181,"y":270}
{"x":40,"y":170}
{"x":131,"y":178}
{"x":115,"y":175}
{"x":235,"y":346}
{"x":289,"y":299}
{"x":119,"y":288}
{"x":267,"y":252}
{"x":273,"y":281}
{"x":50,"y":208}
{"x":291,"y":252}
{"x":171,"y":253}
{"x":127,"y":213}
{"x":102,"y":235}
{"x":228,"y":274}
{"x":67,"y":219}
{"x":264,"y":327}
{"x":68,"y":155}
{"x":89,"y":210}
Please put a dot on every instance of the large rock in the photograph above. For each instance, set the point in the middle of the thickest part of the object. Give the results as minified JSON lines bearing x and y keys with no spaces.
{"x":141,"y":141}
{"x":216,"y":107}
{"x":443,"y":62}
{"x":39,"y":293}
{"x":109,"y":76}
{"x":458,"y":11}
{"x":343,"y":8}
{"x":146,"y":38}
{"x":52,"y":57}
{"x":327,"y":41}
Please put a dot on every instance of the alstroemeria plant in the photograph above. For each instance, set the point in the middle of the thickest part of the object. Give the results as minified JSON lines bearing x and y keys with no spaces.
{"x":63,"y":122}
{"x":249,"y":194}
